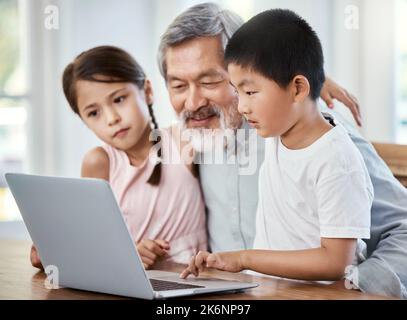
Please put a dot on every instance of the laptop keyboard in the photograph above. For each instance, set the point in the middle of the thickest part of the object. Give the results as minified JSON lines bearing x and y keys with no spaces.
{"x":162,"y":285}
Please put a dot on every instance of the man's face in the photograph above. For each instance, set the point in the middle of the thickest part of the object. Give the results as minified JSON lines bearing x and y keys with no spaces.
{"x":198,"y":85}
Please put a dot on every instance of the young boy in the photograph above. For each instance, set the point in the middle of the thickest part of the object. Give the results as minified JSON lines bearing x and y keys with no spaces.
{"x":315,"y":193}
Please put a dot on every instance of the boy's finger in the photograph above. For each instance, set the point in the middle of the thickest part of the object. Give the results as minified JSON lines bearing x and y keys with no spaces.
{"x":192,"y":267}
{"x":200,"y":260}
{"x":189,"y":270}
{"x":184,"y":274}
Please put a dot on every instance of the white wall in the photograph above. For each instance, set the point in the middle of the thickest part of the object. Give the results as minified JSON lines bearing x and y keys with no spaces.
{"x":377,"y":66}
{"x":364,"y":61}
{"x":59,"y":138}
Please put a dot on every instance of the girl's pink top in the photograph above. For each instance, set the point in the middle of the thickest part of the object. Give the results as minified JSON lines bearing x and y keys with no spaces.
{"x":173,"y":210}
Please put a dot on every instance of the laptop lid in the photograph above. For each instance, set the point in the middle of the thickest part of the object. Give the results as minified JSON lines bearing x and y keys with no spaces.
{"x":78,"y":227}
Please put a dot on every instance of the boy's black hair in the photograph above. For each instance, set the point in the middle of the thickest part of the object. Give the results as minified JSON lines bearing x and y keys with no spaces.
{"x":279,"y":45}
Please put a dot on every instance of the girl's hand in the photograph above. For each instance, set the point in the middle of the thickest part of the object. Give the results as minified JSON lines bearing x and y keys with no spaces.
{"x":225,"y":261}
{"x":151,"y":250}
{"x":35,"y":258}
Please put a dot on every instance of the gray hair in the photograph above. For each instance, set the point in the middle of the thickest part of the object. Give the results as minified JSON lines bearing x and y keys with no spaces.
{"x":202,"y":20}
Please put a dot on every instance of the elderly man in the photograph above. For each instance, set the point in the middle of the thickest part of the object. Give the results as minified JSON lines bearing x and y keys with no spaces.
{"x":191,"y":62}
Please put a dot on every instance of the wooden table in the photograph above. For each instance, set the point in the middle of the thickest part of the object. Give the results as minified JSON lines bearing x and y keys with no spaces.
{"x":395,"y":156}
{"x":19,"y":280}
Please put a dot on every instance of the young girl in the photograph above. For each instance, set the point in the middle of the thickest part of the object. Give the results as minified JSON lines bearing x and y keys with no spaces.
{"x":161,"y":203}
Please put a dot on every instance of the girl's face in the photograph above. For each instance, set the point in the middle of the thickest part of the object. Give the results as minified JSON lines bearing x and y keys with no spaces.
{"x":116,"y":112}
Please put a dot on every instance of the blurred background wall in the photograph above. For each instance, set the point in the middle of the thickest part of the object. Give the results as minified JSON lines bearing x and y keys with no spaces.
{"x":364,"y":42}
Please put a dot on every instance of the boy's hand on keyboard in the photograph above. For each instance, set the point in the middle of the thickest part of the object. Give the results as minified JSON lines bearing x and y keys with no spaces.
{"x":151,"y":250}
{"x":35,"y":258}
{"x":225,"y":261}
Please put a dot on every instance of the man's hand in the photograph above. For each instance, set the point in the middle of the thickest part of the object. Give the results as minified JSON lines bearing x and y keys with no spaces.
{"x":225,"y":261}
{"x":151,"y":250}
{"x":35,"y":258}
{"x":331,"y":90}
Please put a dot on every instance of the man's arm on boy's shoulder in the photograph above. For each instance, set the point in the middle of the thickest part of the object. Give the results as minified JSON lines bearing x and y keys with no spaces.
{"x":331,"y":90}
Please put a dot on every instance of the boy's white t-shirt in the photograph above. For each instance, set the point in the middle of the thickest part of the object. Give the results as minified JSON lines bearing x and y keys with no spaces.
{"x":322,"y":191}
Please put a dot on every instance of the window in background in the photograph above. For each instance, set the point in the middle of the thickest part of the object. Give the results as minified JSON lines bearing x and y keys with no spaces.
{"x":13,"y":101}
{"x":244,"y":8}
{"x":401,"y":70}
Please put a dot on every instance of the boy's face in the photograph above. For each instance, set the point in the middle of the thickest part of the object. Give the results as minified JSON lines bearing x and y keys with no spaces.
{"x":267,"y":107}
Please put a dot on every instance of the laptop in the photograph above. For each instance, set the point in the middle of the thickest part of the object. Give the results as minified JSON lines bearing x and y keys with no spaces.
{"x":77,"y":226}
